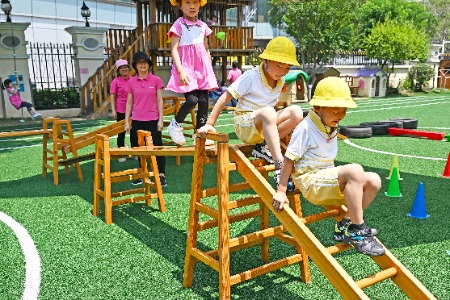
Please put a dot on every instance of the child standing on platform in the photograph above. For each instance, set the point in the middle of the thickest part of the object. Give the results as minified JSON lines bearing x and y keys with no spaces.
{"x":258,"y":90}
{"x":192,"y":72}
{"x":312,"y":150}
{"x":16,"y":101}
{"x":119,"y":97}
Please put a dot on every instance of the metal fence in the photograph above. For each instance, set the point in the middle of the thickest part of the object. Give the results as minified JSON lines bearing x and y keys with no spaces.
{"x":52,"y":76}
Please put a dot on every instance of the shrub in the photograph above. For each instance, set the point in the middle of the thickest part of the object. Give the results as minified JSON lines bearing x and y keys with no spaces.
{"x":56,"y":98}
{"x":419,"y":74}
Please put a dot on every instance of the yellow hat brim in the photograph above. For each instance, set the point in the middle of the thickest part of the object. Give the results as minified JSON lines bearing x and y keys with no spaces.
{"x":348,"y":103}
{"x":280,"y":58}
{"x":175,"y":2}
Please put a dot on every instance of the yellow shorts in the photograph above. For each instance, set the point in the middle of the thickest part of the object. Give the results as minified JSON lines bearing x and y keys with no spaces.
{"x":244,"y":126}
{"x":321,"y":187}
{"x":245,"y":129}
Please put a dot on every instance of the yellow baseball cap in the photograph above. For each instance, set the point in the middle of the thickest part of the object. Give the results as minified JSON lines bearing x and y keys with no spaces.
{"x":333,"y":92}
{"x":281,"y":49}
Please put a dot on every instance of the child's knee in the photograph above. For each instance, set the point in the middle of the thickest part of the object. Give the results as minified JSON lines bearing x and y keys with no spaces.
{"x":373,"y":180}
{"x":296,"y":114}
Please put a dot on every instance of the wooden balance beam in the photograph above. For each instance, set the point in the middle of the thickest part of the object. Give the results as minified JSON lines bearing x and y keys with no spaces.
{"x":438,"y":136}
{"x":24,"y":133}
{"x":232,"y":157}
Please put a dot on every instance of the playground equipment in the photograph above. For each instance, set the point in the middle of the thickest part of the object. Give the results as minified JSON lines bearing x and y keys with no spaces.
{"x":235,"y":158}
{"x":103,"y":178}
{"x":438,"y":136}
{"x":63,"y":143}
{"x":419,"y":210}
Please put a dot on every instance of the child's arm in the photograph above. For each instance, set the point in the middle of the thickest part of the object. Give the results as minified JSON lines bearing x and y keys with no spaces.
{"x":184,"y":79}
{"x":113,"y":106}
{"x":217,"y":109}
{"x":206,"y":42}
{"x":14,"y":90}
{"x":279,"y":198}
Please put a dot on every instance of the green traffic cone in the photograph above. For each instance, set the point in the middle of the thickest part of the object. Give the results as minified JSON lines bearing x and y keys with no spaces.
{"x":394,"y":164}
{"x":394,"y":187}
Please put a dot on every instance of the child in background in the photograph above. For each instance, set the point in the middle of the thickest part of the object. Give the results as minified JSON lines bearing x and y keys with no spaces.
{"x":192,"y":73}
{"x":258,"y":90}
{"x":16,"y":101}
{"x":313,"y":149}
{"x":119,"y":97}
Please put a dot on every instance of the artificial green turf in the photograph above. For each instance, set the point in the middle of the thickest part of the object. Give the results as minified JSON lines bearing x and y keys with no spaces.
{"x":141,"y":256}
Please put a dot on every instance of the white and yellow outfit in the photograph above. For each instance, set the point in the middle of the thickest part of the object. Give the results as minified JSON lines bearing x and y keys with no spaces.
{"x":253,"y":92}
{"x":313,"y":151}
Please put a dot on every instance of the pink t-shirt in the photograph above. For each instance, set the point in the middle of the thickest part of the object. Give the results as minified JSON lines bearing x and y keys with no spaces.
{"x":118,"y":87}
{"x":234,"y":74}
{"x":15,"y":99}
{"x":145,"y":101}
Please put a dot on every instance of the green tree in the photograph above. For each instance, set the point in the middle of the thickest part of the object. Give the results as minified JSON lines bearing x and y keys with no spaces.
{"x":419,"y":74}
{"x":441,"y":10}
{"x":320,"y":27}
{"x":373,"y":12}
{"x":394,"y":41}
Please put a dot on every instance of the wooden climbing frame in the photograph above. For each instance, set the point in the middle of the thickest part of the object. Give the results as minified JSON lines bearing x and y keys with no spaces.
{"x":235,"y":157}
{"x":63,"y":142}
{"x":104,"y":177}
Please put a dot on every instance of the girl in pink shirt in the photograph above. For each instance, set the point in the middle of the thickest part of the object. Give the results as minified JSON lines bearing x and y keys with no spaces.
{"x":192,"y":72}
{"x":119,"y":97}
{"x":145,"y":104}
{"x":16,"y":101}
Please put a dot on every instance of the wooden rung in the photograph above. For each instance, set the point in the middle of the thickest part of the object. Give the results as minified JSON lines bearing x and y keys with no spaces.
{"x":385,"y":274}
{"x":258,"y":235}
{"x":321,"y":216}
{"x":264,"y":269}
{"x":127,"y":192}
{"x":244,"y":202}
{"x":207,"y":210}
{"x":208,"y":260}
{"x":337,"y":248}
{"x":130,"y":200}
{"x":233,"y":218}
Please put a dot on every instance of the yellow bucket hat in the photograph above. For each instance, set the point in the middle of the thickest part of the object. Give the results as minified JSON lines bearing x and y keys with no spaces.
{"x":175,"y":2}
{"x":280,"y":49}
{"x":333,"y":92}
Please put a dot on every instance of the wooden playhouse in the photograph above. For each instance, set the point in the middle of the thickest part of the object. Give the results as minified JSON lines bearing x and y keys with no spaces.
{"x":371,"y":82}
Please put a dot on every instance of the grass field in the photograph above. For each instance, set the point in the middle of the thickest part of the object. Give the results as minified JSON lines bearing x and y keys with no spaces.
{"x":52,"y":246}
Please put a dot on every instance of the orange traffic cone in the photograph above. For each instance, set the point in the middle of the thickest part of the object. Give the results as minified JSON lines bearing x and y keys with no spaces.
{"x":447,"y":167}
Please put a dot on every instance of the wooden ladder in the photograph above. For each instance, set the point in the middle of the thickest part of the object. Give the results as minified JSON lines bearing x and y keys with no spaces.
{"x":60,"y":138}
{"x":235,"y":157}
{"x":104,"y":177}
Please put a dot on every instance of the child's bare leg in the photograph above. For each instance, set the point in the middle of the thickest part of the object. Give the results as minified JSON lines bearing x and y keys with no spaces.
{"x":288,"y":119}
{"x":351,"y":182}
{"x":372,"y":184}
{"x":266,"y":120}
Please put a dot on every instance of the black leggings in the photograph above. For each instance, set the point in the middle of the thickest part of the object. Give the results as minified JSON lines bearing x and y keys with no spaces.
{"x":193,"y":98}
{"x":151,"y":126}
{"x":28,"y":105}
{"x":121,"y":136}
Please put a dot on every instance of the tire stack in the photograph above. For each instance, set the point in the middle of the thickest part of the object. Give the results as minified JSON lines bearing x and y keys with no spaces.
{"x":367,"y":129}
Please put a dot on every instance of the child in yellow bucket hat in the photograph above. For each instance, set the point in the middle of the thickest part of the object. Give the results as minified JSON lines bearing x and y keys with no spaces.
{"x":319,"y":180}
{"x":256,"y":121}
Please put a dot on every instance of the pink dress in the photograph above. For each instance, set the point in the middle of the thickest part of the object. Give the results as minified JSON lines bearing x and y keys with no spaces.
{"x":15,"y":99}
{"x":194,"y":57}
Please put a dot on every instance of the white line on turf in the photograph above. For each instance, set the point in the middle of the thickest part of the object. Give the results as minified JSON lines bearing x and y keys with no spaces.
{"x":391,"y":153}
{"x":31,"y":256}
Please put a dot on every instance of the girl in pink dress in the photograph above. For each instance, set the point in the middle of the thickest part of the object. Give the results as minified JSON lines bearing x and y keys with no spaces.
{"x":16,"y":101}
{"x":192,"y":72}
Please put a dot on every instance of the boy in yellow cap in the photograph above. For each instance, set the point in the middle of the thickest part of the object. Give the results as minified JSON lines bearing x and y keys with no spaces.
{"x":256,"y":121}
{"x":312,"y":151}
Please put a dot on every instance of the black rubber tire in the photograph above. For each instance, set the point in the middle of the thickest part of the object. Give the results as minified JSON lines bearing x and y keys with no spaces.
{"x":356,"y":131}
{"x":407,"y":123}
{"x":305,"y":112}
{"x":395,"y":124}
{"x":377,"y":127}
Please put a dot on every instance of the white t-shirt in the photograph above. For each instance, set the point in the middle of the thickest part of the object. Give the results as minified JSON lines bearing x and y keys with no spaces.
{"x":253,"y":91}
{"x":311,"y":147}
